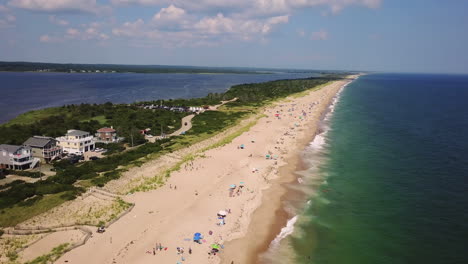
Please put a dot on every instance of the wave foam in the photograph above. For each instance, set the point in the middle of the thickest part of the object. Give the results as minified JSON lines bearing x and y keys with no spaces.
{"x":285,"y":231}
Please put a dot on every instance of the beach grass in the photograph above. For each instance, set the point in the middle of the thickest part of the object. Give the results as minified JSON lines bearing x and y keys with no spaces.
{"x":22,"y":212}
{"x":55,"y":254}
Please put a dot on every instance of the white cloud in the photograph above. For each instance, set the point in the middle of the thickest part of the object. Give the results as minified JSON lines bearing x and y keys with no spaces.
{"x":81,"y":6}
{"x":50,"y":39}
{"x":61,"y":22}
{"x":208,"y":30}
{"x":320,"y":35}
{"x":90,"y":33}
{"x":170,"y":13}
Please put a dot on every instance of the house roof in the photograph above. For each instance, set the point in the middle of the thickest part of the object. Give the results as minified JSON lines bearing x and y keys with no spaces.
{"x":38,"y":141}
{"x":106,"y":130}
{"x":10,"y":148}
{"x":77,"y":133}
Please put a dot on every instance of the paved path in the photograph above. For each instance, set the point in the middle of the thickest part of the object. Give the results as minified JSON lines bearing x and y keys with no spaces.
{"x":186,"y":125}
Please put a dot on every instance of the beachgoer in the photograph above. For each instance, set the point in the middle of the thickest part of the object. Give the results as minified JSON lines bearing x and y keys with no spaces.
{"x":154,"y":251}
{"x":190,"y":250}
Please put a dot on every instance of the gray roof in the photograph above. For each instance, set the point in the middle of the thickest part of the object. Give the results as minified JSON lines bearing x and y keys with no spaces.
{"x":10,"y":148}
{"x":77,"y":133}
{"x":38,"y":141}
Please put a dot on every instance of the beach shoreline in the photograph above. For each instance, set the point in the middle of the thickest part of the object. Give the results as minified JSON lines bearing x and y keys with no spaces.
{"x":272,"y":215}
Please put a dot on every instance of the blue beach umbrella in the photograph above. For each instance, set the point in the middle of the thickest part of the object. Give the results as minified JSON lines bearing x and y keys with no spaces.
{"x":232,"y":186}
{"x":197,"y":236}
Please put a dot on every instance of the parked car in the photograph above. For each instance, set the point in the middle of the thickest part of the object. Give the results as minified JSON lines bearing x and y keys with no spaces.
{"x":101,"y":229}
{"x":93,"y":158}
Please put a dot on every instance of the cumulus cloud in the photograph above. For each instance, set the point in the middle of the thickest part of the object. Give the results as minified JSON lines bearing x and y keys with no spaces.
{"x":320,"y":35}
{"x":61,"y":22}
{"x":207,"y":30}
{"x":80,"y":6}
{"x":170,"y":13}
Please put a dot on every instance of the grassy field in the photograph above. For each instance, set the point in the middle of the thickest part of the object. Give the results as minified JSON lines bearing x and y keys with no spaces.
{"x":19,"y":213}
{"x":101,"y":119}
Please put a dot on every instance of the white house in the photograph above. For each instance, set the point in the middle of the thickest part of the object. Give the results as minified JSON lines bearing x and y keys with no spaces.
{"x":16,"y":157}
{"x":76,"y":142}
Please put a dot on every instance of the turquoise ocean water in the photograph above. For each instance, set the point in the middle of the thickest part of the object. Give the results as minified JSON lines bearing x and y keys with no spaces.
{"x":390,"y":174}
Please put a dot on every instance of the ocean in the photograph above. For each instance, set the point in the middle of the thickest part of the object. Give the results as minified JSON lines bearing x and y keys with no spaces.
{"x":387,"y":182}
{"x":25,"y":91}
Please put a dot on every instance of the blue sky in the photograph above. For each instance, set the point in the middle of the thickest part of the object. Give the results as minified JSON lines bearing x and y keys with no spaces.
{"x":376,"y":35}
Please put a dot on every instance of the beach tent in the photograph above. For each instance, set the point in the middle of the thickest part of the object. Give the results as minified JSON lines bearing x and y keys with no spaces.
{"x":222,"y":213}
{"x":215,"y":246}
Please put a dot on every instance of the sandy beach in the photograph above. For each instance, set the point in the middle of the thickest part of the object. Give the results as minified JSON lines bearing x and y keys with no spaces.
{"x":257,"y":162}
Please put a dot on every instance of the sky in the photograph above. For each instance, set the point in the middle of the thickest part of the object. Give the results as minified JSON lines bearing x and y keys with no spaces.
{"x":362,"y":35}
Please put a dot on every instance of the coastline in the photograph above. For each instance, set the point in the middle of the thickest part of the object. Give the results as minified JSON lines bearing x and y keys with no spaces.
{"x":272,"y":215}
{"x":171,"y":217}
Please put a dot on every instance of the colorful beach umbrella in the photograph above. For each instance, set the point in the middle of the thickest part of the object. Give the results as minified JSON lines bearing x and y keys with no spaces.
{"x":222,"y":212}
{"x":232,"y":186}
{"x":215,"y":246}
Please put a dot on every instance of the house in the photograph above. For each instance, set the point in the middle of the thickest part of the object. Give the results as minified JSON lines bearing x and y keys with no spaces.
{"x":44,"y":148}
{"x":76,"y":142}
{"x":106,"y":135}
{"x":16,"y":157}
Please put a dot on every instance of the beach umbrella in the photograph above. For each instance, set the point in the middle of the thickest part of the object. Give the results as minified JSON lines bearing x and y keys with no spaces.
{"x":215,"y":246}
{"x":197,"y":236}
{"x":242,"y":183}
{"x":222,"y":212}
{"x":232,"y":186}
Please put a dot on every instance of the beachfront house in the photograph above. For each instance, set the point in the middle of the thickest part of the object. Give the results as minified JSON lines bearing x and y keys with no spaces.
{"x":16,"y":157}
{"x":107,"y":135}
{"x":44,"y":148}
{"x":76,"y":142}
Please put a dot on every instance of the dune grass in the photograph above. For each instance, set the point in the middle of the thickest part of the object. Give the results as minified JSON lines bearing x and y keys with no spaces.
{"x":24,"y":211}
{"x":55,"y":254}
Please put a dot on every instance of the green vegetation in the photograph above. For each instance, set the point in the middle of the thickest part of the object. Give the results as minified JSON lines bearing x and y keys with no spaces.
{"x":31,"y":174}
{"x":59,"y":67}
{"x":257,"y":94}
{"x":55,"y":122}
{"x":30,"y":208}
{"x":111,"y":148}
{"x":55,"y":254}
